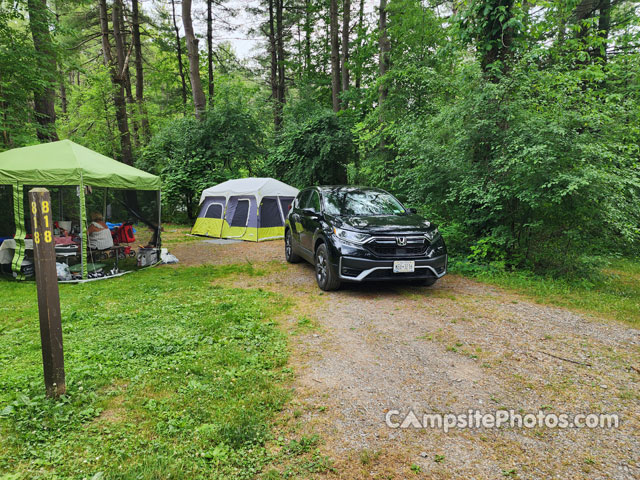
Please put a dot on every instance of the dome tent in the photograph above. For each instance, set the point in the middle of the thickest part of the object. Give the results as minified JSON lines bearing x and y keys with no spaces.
{"x":251,"y":209}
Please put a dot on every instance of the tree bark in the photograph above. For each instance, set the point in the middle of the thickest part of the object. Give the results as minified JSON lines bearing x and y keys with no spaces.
{"x":280,"y":48}
{"x":123,"y":55}
{"x":500,"y":39}
{"x":360,"y":31}
{"x":118,"y":90}
{"x":385,"y":48}
{"x":137,"y":46}
{"x":44,"y":96}
{"x":307,"y":35}
{"x":179,"y":50}
{"x":604,"y":26}
{"x":277,"y":106}
{"x":199,"y":100}
{"x":335,"y":55}
{"x":210,"y":49}
{"x":63,"y":95}
{"x":344,"y":67}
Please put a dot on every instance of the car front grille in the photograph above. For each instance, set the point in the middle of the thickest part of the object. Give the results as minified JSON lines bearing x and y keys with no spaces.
{"x":388,"y":246}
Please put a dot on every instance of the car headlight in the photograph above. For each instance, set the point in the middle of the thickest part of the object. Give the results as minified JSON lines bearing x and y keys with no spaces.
{"x":350,"y":237}
{"x":432,"y":234}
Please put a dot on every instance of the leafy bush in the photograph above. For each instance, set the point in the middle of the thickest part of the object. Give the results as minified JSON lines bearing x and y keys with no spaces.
{"x":313,"y":147}
{"x":528,"y":170}
{"x":191,"y":155}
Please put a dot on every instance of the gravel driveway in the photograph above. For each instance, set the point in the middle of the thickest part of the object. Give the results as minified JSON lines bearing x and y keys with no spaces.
{"x":456,"y":346}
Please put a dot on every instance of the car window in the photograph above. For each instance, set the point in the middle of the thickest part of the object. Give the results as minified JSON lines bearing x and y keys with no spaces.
{"x":301,"y":200}
{"x":313,"y":202}
{"x":362,"y":202}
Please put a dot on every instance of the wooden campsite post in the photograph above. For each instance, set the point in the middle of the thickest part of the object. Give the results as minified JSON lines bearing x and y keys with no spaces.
{"x":48,"y":294}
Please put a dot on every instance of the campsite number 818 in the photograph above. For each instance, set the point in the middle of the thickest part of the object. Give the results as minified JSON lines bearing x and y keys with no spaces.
{"x":45,"y":211}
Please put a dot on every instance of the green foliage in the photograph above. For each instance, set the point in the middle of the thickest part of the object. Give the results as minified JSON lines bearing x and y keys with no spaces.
{"x":314,"y":147}
{"x":18,"y":79}
{"x":182,"y":381}
{"x":192,"y":155}
{"x":530,"y":163}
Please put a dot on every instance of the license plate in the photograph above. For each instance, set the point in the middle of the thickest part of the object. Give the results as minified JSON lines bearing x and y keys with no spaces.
{"x":406,"y":266}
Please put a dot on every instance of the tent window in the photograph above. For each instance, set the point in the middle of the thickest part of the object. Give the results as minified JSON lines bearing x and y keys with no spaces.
{"x":241,"y":214}
{"x":270,"y":213}
{"x":214,"y":211}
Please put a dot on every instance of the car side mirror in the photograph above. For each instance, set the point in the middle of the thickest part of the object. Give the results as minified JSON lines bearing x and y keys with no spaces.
{"x":310,"y":212}
{"x":413,"y":210}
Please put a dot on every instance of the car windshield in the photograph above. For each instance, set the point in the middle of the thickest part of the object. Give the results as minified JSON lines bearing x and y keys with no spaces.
{"x":361,"y":202}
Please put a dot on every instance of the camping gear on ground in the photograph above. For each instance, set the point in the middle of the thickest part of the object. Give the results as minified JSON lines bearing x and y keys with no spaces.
{"x":64,"y":164}
{"x":166,"y":257}
{"x":246,"y":208}
{"x":147,"y":256}
{"x":63,"y":272}
{"x":124,"y":233}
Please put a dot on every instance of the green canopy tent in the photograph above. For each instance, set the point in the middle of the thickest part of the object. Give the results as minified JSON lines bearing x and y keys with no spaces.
{"x":66,"y":163}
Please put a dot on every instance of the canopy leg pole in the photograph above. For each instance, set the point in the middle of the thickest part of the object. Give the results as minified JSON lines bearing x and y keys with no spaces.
{"x":158,"y":239}
{"x":104,"y":204}
{"x":83,"y":233}
{"x":18,"y":215}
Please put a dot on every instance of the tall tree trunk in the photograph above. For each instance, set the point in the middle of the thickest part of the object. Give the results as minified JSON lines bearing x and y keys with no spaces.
{"x":385,"y":48}
{"x":44,"y":96}
{"x":118,"y":87}
{"x":280,"y":47}
{"x":498,"y":37}
{"x":199,"y":100}
{"x":344,"y":67}
{"x":123,"y":54}
{"x":63,"y":94}
{"x":137,"y":46}
{"x":360,"y":32}
{"x":335,"y":55}
{"x":210,"y":49}
{"x":179,"y":50}
{"x":307,"y":35}
{"x":604,"y":26}
{"x":277,"y":106}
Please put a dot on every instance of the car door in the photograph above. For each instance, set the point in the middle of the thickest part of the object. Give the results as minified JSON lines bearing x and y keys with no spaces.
{"x":310,"y":220}
{"x":295,"y":217}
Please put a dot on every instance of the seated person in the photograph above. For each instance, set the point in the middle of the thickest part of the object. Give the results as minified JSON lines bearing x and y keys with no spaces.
{"x":99,"y":234}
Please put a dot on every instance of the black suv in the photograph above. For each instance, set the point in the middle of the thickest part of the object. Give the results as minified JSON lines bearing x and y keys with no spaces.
{"x":355,"y":234}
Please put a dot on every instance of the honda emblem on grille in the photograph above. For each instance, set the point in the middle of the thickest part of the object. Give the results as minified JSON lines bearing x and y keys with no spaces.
{"x":401,"y":241}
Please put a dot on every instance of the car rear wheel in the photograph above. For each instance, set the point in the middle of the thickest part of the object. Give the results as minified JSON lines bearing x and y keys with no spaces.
{"x":289,"y":254}
{"x":326,"y":276}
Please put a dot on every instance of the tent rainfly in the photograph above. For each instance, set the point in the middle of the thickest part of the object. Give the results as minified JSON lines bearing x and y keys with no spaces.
{"x":66,"y":163}
{"x":246,"y":208}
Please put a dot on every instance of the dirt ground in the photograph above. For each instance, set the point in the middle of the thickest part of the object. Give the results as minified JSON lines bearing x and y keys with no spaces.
{"x":369,"y":349}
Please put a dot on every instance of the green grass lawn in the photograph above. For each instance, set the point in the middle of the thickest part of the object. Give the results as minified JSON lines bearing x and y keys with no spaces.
{"x":168,"y":376}
{"x":615,"y":296}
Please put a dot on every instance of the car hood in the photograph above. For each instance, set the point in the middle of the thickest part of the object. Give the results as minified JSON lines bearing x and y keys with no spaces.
{"x":383,"y":224}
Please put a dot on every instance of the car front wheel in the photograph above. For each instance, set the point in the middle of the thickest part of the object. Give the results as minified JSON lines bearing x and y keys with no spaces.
{"x":326,"y":276}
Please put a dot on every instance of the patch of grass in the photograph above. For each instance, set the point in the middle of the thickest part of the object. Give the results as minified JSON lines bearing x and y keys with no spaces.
{"x":616,"y":295}
{"x":304,"y":325}
{"x":168,"y":376}
{"x":367,"y":456}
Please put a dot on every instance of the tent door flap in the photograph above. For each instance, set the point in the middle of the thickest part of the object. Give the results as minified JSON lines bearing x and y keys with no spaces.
{"x":240,"y":218}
